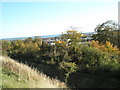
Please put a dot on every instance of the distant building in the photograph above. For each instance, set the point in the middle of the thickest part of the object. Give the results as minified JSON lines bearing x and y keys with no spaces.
{"x":86,"y":37}
{"x":50,"y":40}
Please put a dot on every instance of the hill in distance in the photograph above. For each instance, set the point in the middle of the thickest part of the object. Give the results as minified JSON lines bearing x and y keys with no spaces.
{"x":18,"y":75}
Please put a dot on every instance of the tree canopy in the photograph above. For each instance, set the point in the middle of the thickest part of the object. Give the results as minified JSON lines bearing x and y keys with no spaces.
{"x":108,"y":31}
{"x":71,"y":36}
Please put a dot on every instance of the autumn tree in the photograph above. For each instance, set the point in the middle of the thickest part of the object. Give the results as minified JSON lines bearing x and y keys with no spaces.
{"x":28,"y":40}
{"x":37,"y":40}
{"x":71,"y":36}
{"x":108,"y":31}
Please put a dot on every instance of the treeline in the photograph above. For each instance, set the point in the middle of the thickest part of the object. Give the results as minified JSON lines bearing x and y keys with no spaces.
{"x":69,"y":55}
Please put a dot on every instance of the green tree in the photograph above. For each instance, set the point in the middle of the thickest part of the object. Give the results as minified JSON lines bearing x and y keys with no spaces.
{"x":17,"y":49}
{"x":45,"y":53}
{"x":108,"y":31}
{"x":6,"y":46}
{"x":67,"y":68}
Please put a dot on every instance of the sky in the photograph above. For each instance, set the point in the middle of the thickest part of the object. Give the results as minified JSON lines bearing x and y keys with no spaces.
{"x":25,"y":19}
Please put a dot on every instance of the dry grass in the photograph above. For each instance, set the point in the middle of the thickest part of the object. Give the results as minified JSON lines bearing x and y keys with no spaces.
{"x":25,"y":77}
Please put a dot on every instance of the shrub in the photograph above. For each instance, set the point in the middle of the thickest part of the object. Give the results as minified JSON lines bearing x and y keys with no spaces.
{"x":95,"y":60}
{"x":67,"y":68}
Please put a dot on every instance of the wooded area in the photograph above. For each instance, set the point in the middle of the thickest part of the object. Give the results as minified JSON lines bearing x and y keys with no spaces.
{"x":100,"y":56}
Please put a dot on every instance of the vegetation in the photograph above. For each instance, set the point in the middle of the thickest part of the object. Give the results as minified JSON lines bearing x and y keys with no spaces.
{"x":18,"y":75}
{"x":99,"y":57}
{"x":108,"y":31}
{"x":71,"y":36}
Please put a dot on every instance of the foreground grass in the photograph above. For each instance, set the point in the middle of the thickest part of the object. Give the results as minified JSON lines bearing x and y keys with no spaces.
{"x":18,"y":75}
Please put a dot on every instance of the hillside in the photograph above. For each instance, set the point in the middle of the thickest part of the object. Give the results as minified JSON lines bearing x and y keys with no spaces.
{"x":18,"y":75}
{"x":79,"y":79}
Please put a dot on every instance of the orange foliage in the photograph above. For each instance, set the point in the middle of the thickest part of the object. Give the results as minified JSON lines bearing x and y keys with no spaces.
{"x":107,"y":47}
{"x":59,"y":41}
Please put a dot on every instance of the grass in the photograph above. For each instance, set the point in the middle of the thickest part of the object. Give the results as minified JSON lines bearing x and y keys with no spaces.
{"x":18,"y":75}
{"x":50,"y":70}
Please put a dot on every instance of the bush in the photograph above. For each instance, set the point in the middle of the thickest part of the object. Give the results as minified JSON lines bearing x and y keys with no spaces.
{"x":95,"y":60}
{"x":91,"y":57}
{"x":67,"y":68}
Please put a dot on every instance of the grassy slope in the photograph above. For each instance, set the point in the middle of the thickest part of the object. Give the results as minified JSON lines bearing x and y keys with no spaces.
{"x":18,"y":75}
{"x":79,"y":79}
{"x":21,"y":76}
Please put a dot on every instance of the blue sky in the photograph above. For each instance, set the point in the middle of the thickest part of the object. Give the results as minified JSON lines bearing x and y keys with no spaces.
{"x":21,"y":19}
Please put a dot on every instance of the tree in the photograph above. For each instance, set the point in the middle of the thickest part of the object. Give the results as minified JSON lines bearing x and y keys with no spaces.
{"x":71,"y":36}
{"x":28,"y":40}
{"x":108,"y":31}
{"x":67,"y":68}
{"x":6,"y":46}
{"x":38,"y":40}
